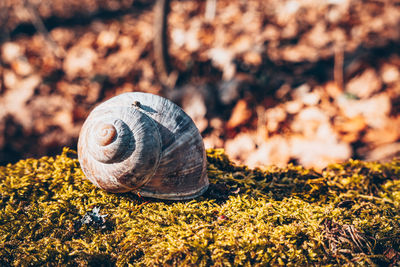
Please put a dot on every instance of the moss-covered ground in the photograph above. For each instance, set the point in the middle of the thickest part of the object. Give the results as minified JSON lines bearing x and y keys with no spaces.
{"x":347,"y":214}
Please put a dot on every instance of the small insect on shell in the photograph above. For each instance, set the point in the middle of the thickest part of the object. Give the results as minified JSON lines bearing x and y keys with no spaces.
{"x":145,"y":143}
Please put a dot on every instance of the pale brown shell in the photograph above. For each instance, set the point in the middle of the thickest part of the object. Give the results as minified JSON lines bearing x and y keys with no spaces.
{"x":143,"y":142}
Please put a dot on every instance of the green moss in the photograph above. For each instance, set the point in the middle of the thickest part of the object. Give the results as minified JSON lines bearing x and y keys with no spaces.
{"x":347,"y":214}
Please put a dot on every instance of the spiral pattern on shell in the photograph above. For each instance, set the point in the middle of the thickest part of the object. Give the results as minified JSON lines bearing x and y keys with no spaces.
{"x":109,"y":138}
{"x":105,"y":134}
{"x":145,"y":143}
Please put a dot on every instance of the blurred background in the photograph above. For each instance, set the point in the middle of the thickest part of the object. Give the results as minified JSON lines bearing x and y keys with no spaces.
{"x":310,"y":82}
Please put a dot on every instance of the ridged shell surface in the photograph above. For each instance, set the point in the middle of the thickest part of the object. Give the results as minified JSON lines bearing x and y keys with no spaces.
{"x":143,"y":142}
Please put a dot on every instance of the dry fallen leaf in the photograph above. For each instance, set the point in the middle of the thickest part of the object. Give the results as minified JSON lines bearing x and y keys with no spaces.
{"x":107,"y":39}
{"x":274,"y":151}
{"x":390,"y":73}
{"x":240,"y":146}
{"x":10,"y":51}
{"x":384,"y":152}
{"x":274,"y":116}
{"x":364,"y":85}
{"x":375,"y":110}
{"x":349,"y":129}
{"x":79,"y":61}
{"x":389,"y":133}
{"x":319,"y":152}
{"x":241,"y":114}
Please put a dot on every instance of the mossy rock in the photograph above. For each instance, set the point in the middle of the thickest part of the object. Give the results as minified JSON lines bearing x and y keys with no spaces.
{"x":347,"y":214}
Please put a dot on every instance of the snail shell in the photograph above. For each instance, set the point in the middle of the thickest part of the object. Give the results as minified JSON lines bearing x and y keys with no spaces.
{"x":145,"y":143}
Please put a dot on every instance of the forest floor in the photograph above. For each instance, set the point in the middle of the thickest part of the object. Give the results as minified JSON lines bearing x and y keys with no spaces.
{"x":272,"y":82}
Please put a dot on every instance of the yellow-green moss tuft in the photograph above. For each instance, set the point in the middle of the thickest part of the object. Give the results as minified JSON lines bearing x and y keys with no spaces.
{"x":348,"y":214}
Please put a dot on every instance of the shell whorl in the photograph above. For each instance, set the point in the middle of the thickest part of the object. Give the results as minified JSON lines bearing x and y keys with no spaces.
{"x":111,"y":140}
{"x":119,"y":149}
{"x":143,"y":142}
{"x":105,"y":134}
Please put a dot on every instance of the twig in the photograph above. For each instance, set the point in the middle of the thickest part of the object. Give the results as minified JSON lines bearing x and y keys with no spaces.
{"x":338,"y":67}
{"x":167,"y":77}
{"x":4,"y":11}
{"x":41,"y":28}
